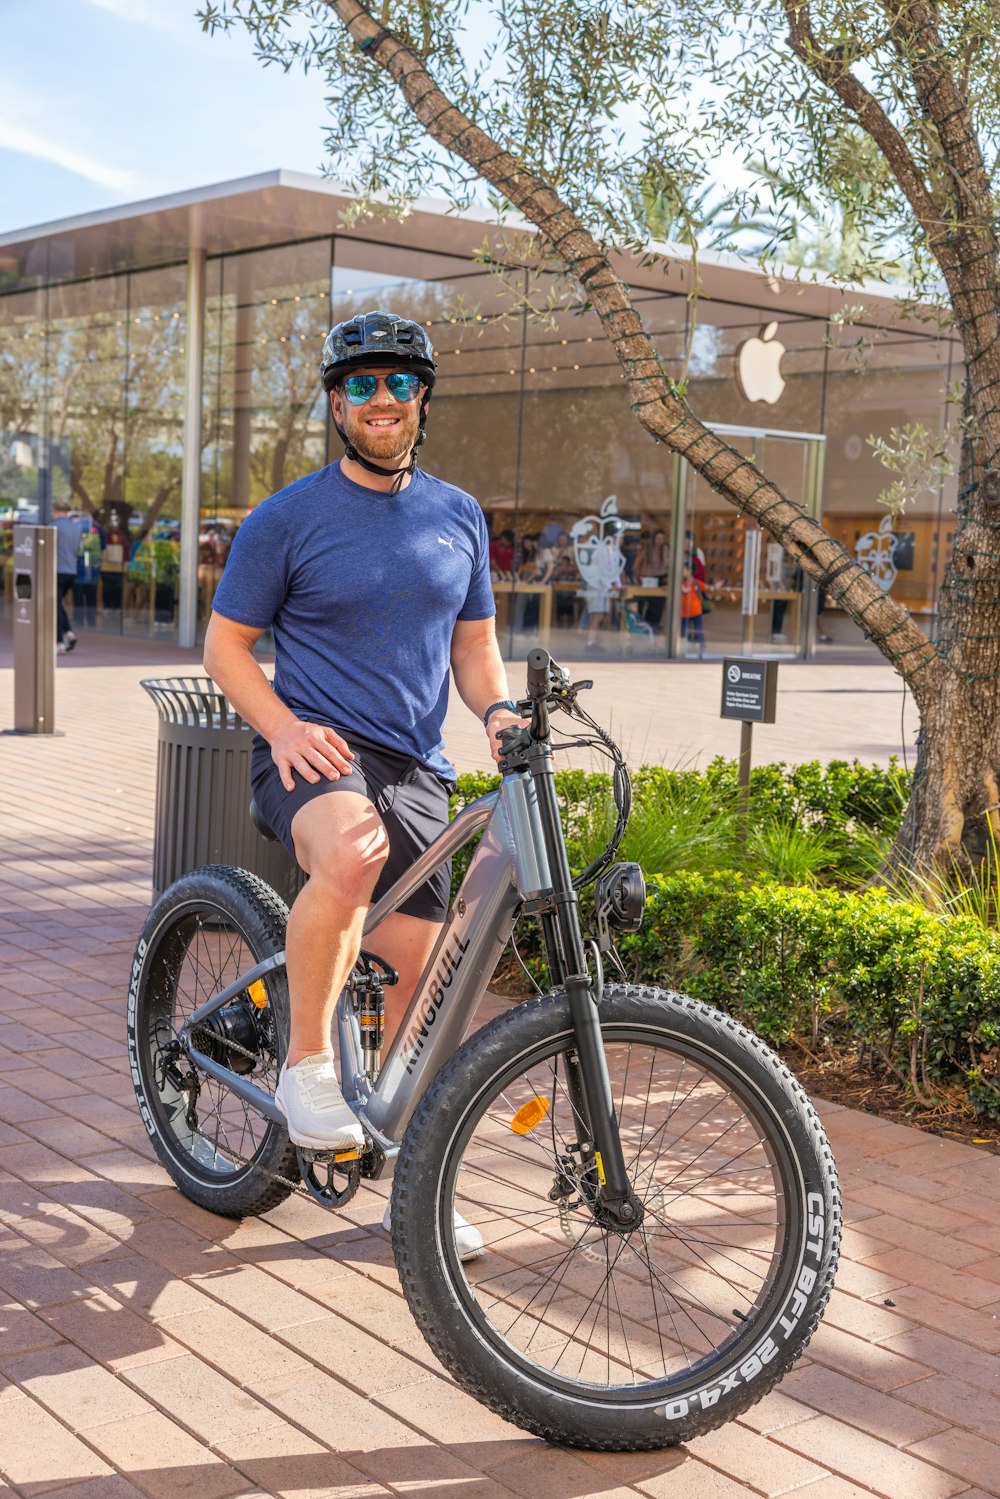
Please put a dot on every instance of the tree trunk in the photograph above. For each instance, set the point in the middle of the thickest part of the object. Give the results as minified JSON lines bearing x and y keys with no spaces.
{"x":954,"y":812}
{"x":953,"y":680}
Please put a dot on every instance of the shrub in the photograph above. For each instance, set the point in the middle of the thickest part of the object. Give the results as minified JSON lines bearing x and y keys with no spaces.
{"x":918,"y":991}
{"x":826,"y":823}
{"x":753,"y":929}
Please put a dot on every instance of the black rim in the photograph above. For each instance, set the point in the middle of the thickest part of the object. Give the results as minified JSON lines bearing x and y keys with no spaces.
{"x":196,"y":954}
{"x":639,"y":1318}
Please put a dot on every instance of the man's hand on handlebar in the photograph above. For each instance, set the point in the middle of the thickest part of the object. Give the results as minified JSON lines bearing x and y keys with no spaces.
{"x":497,"y":722}
{"x":311,"y":749}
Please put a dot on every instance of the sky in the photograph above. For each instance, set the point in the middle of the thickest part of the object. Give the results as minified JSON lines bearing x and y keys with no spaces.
{"x":104,"y":102}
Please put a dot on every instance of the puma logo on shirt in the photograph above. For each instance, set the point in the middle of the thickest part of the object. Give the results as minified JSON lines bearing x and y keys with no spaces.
{"x":447,"y":541}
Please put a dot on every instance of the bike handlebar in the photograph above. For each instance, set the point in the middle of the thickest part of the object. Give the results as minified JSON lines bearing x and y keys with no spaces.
{"x":539,"y":673}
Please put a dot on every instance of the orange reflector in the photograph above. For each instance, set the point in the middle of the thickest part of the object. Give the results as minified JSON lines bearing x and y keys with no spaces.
{"x":346,"y":1155}
{"x":529,"y":1116}
{"x":258,"y":994}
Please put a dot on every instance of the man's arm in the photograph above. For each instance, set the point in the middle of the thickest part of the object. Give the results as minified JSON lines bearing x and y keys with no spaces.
{"x":309,"y":748}
{"x":480,"y":675}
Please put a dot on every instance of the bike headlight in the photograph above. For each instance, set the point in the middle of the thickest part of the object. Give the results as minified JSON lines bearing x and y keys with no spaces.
{"x":620,"y":897}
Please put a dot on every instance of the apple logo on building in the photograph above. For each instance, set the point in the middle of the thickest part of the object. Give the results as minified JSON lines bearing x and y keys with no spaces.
{"x":758,"y":367}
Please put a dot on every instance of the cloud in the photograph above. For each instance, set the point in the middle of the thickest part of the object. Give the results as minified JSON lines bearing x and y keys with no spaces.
{"x":27,"y":142}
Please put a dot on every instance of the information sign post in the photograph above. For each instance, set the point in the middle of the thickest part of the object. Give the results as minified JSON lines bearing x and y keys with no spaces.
{"x":749,"y":694}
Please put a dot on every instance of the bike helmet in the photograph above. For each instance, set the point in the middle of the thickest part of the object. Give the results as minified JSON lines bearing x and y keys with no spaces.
{"x":375,"y":338}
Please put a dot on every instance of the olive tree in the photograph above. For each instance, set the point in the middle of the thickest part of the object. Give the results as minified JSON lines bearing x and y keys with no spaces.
{"x":577,"y":116}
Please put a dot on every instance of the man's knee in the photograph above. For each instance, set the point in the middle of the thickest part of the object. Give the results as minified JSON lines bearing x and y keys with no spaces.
{"x":341,"y":843}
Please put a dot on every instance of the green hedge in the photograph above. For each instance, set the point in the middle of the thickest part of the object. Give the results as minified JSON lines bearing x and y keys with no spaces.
{"x":918,"y":991}
{"x":823,"y":796}
{"x":830,"y":967}
{"x":808,"y":823}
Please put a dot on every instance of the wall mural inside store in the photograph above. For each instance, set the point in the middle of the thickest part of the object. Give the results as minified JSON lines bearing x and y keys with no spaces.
{"x":597,"y":550}
{"x":876,"y":551}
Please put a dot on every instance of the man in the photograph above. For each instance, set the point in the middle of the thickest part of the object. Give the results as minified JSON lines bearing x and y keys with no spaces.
{"x":69,"y":529}
{"x":374,"y":578}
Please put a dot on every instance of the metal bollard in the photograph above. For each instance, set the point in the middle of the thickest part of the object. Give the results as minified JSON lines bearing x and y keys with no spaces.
{"x":34,"y":629}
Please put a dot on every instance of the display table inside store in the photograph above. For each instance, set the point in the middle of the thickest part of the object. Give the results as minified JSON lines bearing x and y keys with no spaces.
{"x":505,"y":593}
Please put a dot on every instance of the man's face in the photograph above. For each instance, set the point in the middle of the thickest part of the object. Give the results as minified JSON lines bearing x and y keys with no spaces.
{"x":383,"y":429}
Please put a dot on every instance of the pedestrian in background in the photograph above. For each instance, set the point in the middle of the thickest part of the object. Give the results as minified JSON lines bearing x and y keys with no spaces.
{"x":68,"y":529}
{"x":692,"y":627}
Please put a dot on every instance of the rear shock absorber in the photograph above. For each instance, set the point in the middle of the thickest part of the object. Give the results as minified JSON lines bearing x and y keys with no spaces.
{"x":367,"y":983}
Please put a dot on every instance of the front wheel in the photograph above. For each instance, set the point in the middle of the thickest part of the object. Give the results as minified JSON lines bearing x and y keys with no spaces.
{"x":584,"y":1335}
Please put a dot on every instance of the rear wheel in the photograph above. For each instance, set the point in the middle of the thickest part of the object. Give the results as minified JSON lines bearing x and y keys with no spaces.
{"x":204,"y":931}
{"x":582,"y":1334}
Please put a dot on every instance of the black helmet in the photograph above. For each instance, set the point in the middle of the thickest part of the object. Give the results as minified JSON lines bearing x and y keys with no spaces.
{"x":376,"y":338}
{"x":379,"y":338}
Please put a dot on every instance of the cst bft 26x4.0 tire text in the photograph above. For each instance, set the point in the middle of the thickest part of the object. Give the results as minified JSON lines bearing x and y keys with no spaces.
{"x":588,"y":1336}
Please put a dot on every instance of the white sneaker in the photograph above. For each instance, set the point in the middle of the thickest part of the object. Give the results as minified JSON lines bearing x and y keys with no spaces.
{"x":317,"y":1117}
{"x":468,"y":1240}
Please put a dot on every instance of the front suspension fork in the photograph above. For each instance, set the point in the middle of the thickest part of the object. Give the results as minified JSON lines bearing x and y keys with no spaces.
{"x":589,"y":1086}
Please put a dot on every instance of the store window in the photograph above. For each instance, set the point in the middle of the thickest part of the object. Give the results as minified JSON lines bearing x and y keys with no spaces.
{"x":92,"y":380}
{"x":264,"y":412}
{"x":22,"y":429}
{"x":895,"y":379}
{"x":596,"y":493}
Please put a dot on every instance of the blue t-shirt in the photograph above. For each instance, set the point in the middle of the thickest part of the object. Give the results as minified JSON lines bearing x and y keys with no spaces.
{"x":69,"y":529}
{"x":362,"y":591}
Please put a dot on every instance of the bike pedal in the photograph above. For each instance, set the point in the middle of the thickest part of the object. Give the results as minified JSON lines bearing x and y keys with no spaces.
{"x":334,"y":1157}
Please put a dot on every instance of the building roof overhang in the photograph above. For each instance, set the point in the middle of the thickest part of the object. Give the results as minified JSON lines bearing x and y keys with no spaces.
{"x":278,"y":207}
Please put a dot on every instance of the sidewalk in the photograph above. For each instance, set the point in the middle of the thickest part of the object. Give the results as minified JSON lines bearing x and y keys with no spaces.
{"x":147,"y":1347}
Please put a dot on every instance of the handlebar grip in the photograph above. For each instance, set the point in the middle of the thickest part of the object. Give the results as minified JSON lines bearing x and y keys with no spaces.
{"x":539,"y":672}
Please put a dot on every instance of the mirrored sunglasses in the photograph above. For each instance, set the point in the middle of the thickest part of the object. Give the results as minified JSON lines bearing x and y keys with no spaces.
{"x":402,"y":385}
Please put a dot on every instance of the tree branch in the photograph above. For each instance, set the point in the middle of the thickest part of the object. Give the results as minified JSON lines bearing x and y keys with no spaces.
{"x":829,"y":67}
{"x":946,"y":107}
{"x":655,"y":399}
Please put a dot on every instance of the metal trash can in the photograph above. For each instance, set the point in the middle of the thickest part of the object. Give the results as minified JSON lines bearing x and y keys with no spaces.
{"x":203,"y":789}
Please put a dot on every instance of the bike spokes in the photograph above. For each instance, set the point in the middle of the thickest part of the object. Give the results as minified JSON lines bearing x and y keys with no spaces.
{"x":612,"y":1308}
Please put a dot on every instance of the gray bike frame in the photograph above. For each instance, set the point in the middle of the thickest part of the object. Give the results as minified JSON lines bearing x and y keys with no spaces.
{"x":509,"y":866}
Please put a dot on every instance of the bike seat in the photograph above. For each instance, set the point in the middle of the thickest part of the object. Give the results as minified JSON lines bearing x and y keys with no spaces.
{"x":260,"y":824}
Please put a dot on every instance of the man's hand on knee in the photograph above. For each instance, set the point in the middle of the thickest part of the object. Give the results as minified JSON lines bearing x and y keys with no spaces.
{"x":311,"y":749}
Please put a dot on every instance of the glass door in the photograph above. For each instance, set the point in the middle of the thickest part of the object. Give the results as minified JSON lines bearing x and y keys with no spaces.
{"x":722,"y":561}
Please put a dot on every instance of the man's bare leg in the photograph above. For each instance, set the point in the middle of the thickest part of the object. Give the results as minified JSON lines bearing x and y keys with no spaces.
{"x":406,"y":943}
{"x":341,"y":844}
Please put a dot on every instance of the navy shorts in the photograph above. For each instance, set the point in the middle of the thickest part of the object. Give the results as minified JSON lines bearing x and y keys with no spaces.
{"x":410,"y":799}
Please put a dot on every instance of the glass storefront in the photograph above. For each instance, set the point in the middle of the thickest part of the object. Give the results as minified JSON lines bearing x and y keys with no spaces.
{"x":263,"y":410}
{"x":600,"y":537}
{"x":92,"y":376}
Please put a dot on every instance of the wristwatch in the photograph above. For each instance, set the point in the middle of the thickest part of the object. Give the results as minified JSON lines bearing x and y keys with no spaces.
{"x":506,"y":703}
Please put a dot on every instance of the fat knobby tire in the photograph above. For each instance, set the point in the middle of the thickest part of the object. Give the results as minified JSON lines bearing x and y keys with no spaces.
{"x":251,"y":907}
{"x":777,"y":1330}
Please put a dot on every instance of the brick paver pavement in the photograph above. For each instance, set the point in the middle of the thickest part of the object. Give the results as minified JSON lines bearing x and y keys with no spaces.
{"x":147,"y":1347}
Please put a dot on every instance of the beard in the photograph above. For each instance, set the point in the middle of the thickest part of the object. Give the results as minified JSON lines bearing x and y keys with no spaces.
{"x":389,"y":445}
